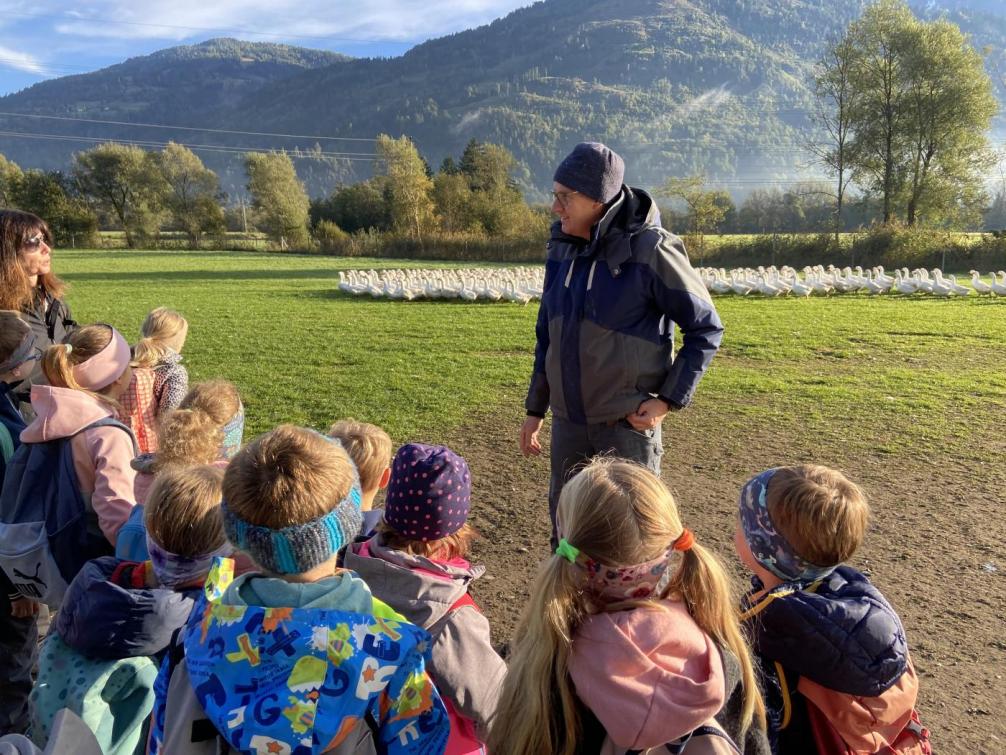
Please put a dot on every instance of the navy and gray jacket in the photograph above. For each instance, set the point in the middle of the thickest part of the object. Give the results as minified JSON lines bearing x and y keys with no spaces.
{"x":605,"y":331}
{"x":841,"y":633}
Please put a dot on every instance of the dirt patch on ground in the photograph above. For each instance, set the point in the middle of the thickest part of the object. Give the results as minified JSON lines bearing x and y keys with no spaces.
{"x":936,"y":546}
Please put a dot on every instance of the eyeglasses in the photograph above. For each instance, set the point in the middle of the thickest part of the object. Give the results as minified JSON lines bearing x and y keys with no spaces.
{"x":562,"y":197}
{"x":35,"y":241}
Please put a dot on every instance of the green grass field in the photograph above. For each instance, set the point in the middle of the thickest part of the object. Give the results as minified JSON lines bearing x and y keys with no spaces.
{"x":879,"y":374}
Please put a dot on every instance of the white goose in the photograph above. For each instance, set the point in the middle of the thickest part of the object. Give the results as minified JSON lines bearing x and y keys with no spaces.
{"x":980,"y":288}
{"x":999,"y":289}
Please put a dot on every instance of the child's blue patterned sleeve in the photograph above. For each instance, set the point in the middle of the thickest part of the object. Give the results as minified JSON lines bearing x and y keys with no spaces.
{"x":414,"y":720}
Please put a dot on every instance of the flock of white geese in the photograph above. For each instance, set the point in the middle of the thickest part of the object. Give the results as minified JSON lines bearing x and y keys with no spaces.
{"x":824,"y":281}
{"x":524,"y":284}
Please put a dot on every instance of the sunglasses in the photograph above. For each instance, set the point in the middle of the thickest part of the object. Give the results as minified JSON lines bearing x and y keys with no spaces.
{"x":35,"y":241}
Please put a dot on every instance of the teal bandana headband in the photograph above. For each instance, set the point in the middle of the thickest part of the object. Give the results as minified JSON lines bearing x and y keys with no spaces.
{"x":767,"y":545}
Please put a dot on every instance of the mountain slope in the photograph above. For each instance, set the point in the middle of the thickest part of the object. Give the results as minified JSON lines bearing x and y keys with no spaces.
{"x":678,"y":86}
{"x":180,"y":86}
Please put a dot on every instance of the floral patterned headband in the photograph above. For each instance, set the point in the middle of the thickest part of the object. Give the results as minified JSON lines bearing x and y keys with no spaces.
{"x":615,"y":584}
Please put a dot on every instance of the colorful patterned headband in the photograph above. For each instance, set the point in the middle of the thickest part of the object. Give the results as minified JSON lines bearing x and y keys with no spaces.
{"x":176,"y":571}
{"x":300,"y":547}
{"x":768,"y":546}
{"x":105,"y":367}
{"x":26,"y":350}
{"x":616,"y":584}
{"x":233,"y":433}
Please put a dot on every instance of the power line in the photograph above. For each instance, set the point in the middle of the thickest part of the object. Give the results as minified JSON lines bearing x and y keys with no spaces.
{"x":353,"y":156}
{"x":189,"y":128}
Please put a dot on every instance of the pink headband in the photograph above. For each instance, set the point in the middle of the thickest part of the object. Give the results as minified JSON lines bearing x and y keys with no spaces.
{"x":105,"y":367}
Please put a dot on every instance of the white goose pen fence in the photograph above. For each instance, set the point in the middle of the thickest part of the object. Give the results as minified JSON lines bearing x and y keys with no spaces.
{"x":524,"y":284}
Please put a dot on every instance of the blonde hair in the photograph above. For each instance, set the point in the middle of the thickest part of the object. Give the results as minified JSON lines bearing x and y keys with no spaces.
{"x":455,"y":545}
{"x":182,"y":513}
{"x":217,"y":398}
{"x":620,"y":514}
{"x":186,"y":437}
{"x":13,"y":330}
{"x":160,"y":326}
{"x":288,"y":476}
{"x":820,"y":513}
{"x":85,"y":342}
{"x":368,"y":446}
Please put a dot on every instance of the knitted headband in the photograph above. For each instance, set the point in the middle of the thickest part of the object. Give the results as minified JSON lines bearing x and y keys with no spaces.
{"x":105,"y":367}
{"x":768,"y":546}
{"x":25,"y":350}
{"x":299,"y":547}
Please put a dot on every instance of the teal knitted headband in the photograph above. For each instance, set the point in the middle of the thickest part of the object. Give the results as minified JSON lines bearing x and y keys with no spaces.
{"x":299,"y":547}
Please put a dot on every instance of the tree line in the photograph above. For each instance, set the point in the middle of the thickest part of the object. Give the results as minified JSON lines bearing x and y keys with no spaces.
{"x":143,"y":193}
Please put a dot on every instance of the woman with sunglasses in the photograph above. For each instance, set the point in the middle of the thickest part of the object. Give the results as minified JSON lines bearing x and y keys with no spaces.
{"x":27,"y":283}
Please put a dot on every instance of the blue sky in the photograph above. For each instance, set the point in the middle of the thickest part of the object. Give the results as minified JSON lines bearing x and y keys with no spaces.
{"x":42,"y":39}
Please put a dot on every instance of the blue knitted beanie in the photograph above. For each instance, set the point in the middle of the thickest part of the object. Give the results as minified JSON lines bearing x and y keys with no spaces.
{"x":592,"y":170}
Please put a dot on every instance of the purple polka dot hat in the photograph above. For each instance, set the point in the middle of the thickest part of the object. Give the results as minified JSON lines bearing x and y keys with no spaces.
{"x":430,"y":492}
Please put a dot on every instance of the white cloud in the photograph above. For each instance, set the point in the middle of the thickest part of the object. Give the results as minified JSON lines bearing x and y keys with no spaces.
{"x":21,"y":61}
{"x":310,"y":23}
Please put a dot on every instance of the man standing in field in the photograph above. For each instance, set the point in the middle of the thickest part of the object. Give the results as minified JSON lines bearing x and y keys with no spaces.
{"x":616,"y":284}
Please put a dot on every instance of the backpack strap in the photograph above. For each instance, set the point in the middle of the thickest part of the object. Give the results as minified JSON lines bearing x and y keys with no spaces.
{"x":6,"y":443}
{"x":112,"y":422}
{"x":465,"y":601}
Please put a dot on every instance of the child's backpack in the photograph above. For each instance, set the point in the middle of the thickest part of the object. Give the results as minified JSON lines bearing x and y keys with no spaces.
{"x":843,"y":724}
{"x":47,"y":532}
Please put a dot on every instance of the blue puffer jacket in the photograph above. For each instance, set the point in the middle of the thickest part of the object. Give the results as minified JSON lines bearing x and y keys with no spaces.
{"x":843,"y":635}
{"x":102,"y":619}
{"x":605,"y":331}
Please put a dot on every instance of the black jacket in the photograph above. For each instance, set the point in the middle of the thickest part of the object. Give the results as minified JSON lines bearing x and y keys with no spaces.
{"x":51,"y":321}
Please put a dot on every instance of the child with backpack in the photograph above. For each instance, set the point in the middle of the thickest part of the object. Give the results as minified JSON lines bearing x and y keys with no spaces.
{"x":300,"y":657}
{"x":159,"y":380}
{"x":69,"y":487}
{"x":838,"y":674}
{"x":118,"y":618}
{"x":18,"y":630}
{"x":206,"y":429}
{"x":625,"y":642}
{"x":416,"y":564}
{"x":370,"y":449}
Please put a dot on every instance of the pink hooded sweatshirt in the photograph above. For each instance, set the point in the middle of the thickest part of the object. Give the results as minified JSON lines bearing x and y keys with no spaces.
{"x":101,"y":456}
{"x":649,"y":675}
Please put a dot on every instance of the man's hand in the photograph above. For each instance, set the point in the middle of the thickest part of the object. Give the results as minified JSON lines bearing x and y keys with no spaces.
{"x":23,"y":608}
{"x":649,"y":414}
{"x":529,"y":443}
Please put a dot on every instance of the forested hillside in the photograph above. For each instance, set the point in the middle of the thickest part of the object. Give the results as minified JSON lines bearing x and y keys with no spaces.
{"x":678,"y":86}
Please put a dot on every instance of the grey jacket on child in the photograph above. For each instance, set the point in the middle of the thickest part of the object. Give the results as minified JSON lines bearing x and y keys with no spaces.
{"x":465,"y":668}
